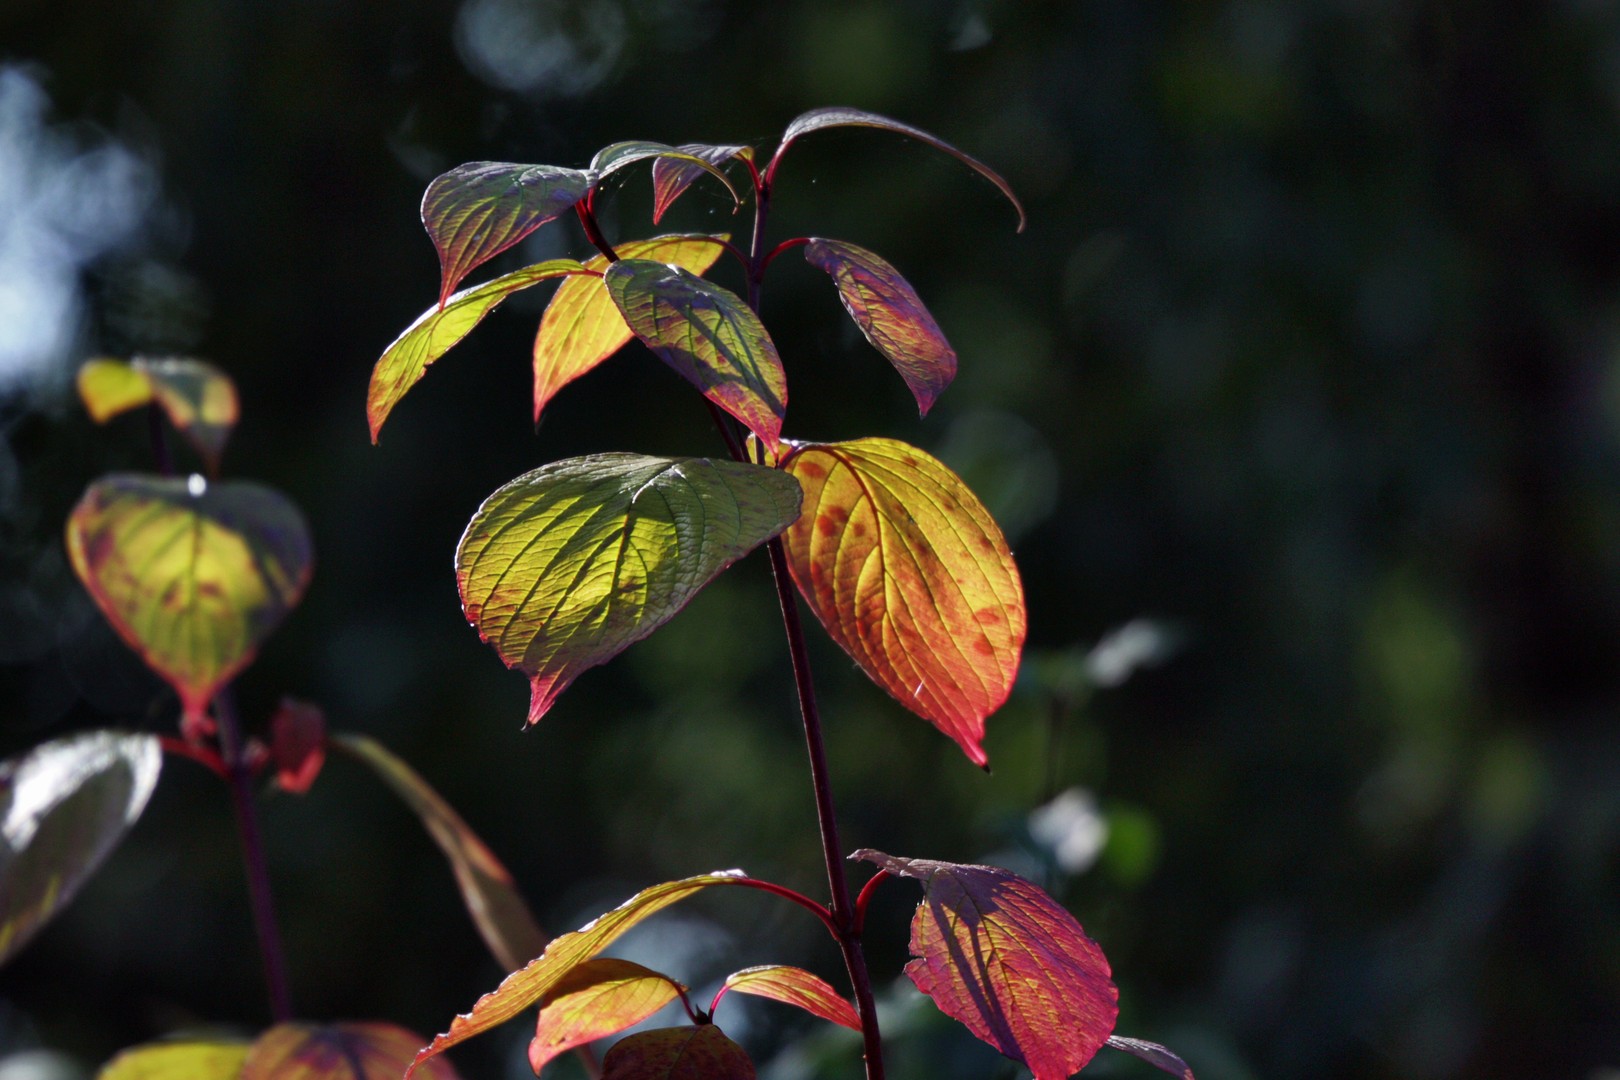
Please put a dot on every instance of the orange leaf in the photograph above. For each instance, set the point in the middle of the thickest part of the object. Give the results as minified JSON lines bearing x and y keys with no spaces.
{"x":794,"y":986}
{"x":598,"y":998}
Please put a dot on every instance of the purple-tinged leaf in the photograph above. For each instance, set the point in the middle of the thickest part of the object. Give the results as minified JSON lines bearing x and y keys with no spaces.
{"x":700,"y":1052}
{"x":672,"y":176}
{"x":891,"y":315}
{"x":998,"y":954}
{"x":346,"y":1051}
{"x":794,"y":986}
{"x":838,"y":116}
{"x":1154,"y":1054}
{"x":478,"y":210}
{"x":610,"y":159}
{"x":708,"y":335}
{"x":598,"y":998}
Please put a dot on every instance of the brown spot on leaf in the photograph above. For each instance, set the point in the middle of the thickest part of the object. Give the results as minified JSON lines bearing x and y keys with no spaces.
{"x":826,"y":524}
{"x":987,"y":616}
{"x":984,"y":648}
{"x":810,"y":469}
{"x":858,"y":529}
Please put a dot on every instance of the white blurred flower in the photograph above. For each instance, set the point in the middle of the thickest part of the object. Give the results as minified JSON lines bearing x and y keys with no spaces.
{"x":1072,"y":828}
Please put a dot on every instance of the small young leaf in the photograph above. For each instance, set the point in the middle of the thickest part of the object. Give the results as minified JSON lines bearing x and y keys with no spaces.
{"x":178,"y":1061}
{"x":497,"y":908}
{"x":838,"y":116}
{"x":582,"y":327}
{"x":909,"y":573}
{"x":598,"y":998}
{"x":566,"y":952}
{"x":794,"y":986}
{"x":891,"y":315}
{"x":198,"y":398}
{"x":1154,"y":1054}
{"x":708,"y":335}
{"x":610,"y":159}
{"x":478,"y":210}
{"x":700,"y":1052}
{"x":438,"y":328}
{"x":998,"y":954}
{"x":348,"y":1051}
{"x":63,"y":806}
{"x":672,"y":176}
{"x":566,"y":566}
{"x":297,"y":744}
{"x":193,"y":575}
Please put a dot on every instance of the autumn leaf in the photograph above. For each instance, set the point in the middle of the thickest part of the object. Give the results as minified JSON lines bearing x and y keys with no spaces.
{"x":699,"y":1052}
{"x":347,"y":1051}
{"x":793,"y":986}
{"x":180,"y":1060}
{"x":611,"y":159}
{"x":672,"y":176}
{"x":598,"y":998}
{"x":197,"y":397}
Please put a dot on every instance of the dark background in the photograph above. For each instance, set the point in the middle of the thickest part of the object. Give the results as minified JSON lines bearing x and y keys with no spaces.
{"x":1309,"y":355}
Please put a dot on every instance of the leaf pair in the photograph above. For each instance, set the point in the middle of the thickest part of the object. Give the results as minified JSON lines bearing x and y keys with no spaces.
{"x":198,"y":398}
{"x":346,"y":1051}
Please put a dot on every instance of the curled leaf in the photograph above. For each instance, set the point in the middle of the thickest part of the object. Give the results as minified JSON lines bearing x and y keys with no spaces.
{"x":187,"y":1060}
{"x":598,"y":998}
{"x":794,"y":986}
{"x":297,"y":744}
{"x":611,"y":159}
{"x":700,"y":1052}
{"x":1154,"y":1054}
{"x":347,"y":1051}
{"x":198,"y":398}
{"x":478,"y":210}
{"x":671,"y":176}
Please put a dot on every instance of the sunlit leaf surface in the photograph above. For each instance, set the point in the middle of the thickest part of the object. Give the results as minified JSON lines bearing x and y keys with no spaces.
{"x":1158,"y":1056}
{"x":795,"y":986}
{"x":672,"y":176}
{"x":700,"y":1052}
{"x":193,"y":575}
{"x":478,"y":210}
{"x":907,"y":571}
{"x":891,"y":315}
{"x":565,"y":953}
{"x":404,"y":362}
{"x":63,"y":806}
{"x":297,"y":744}
{"x":708,"y":335}
{"x":998,"y":954}
{"x":582,"y":326}
{"x":198,"y":398}
{"x":611,"y":159}
{"x":598,"y":998}
{"x":347,"y":1051}
{"x":189,"y":1060}
{"x":566,"y":566}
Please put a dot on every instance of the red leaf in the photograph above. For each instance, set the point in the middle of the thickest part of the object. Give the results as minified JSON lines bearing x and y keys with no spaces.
{"x":998,"y":954}
{"x":672,"y":176}
{"x":598,"y":998}
{"x":478,"y":210}
{"x":297,"y":744}
{"x":685,"y":1053}
{"x":350,"y":1051}
{"x":794,"y":986}
{"x":1154,"y":1054}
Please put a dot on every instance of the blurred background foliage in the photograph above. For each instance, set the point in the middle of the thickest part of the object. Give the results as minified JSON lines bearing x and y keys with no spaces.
{"x":1306,"y":375}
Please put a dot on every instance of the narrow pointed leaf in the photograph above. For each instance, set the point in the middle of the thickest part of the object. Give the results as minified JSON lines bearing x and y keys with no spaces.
{"x":598,"y":998}
{"x":478,"y":210}
{"x":198,"y":398}
{"x":199,"y":1060}
{"x":297,"y":744}
{"x":438,"y":328}
{"x":708,"y":335}
{"x":193,"y":575}
{"x":566,"y":566}
{"x":998,"y":954}
{"x":582,"y":326}
{"x":498,"y":910}
{"x":610,"y":159}
{"x":891,"y":315}
{"x":347,"y":1051}
{"x":63,"y":806}
{"x":795,"y":986}
{"x":699,"y":1052}
{"x":672,"y":176}
{"x":838,"y":116}
{"x":1154,"y":1054}
{"x":908,"y":572}
{"x":566,"y":952}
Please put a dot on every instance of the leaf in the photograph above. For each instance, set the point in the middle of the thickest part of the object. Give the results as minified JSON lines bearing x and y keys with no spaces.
{"x":566,"y":952}
{"x":1154,"y":1054}
{"x":478,"y":210}
{"x":708,"y":335}
{"x":891,"y":315}
{"x":433,"y":333}
{"x":188,"y":1060}
{"x":497,"y":908}
{"x":582,"y":327}
{"x":700,"y":1052}
{"x":908,"y":572}
{"x":598,"y":998}
{"x":198,"y":398}
{"x":838,"y":116}
{"x":297,"y":744}
{"x":1001,"y":956}
{"x":348,"y":1051}
{"x":566,"y":566}
{"x":672,"y":176}
{"x":63,"y":806}
{"x":610,"y":159}
{"x":794,"y":986}
{"x":193,"y":575}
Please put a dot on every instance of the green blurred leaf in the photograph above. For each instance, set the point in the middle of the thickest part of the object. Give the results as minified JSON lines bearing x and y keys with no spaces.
{"x":346,"y":1051}
{"x":478,"y":210}
{"x":178,"y":1061}
{"x":598,"y":998}
{"x":701,"y":1052}
{"x":795,"y":986}
{"x":198,"y":398}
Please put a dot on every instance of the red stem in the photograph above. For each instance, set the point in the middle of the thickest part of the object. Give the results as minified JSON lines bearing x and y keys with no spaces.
{"x":201,"y":755}
{"x":786,"y":245}
{"x":819,"y":910}
{"x":593,"y":232}
{"x":866,"y":898}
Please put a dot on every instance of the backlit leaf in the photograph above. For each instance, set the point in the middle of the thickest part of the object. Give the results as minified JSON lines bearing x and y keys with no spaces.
{"x":566,"y":566}
{"x":838,"y":116}
{"x":198,"y":398}
{"x":582,"y":327}
{"x":699,"y":1052}
{"x":672,"y":176}
{"x":998,"y":954}
{"x":438,"y":328}
{"x":566,"y":952}
{"x":708,"y":335}
{"x":908,"y":572}
{"x":297,"y":744}
{"x":497,"y":908}
{"x":795,"y":986}
{"x":891,"y":315}
{"x":598,"y":998}
{"x":478,"y":210}
{"x":193,"y":575}
{"x":189,"y":1060}
{"x":348,"y":1051}
{"x":63,"y":806}
{"x":1154,"y":1054}
{"x":610,"y":159}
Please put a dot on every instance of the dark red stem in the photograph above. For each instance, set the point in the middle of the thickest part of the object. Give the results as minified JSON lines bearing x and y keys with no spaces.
{"x":786,"y":245}
{"x":819,"y":910}
{"x":200,"y":754}
{"x":593,"y":232}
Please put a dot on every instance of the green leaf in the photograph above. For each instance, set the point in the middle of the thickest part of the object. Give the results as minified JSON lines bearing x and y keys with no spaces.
{"x":891,"y":315}
{"x":546,"y":972}
{"x":404,"y":362}
{"x":598,"y":998}
{"x":193,"y":576}
{"x":700,"y":1052}
{"x":672,"y":176}
{"x":998,"y":954}
{"x":347,"y":1051}
{"x":566,"y":566}
{"x":794,"y":986}
{"x":478,"y":210}
{"x":708,"y":335}
{"x":497,"y":908}
{"x":908,"y":572}
{"x":582,"y":327}
{"x":63,"y":806}
{"x":610,"y":159}
{"x":189,"y":1060}
{"x":838,"y":116}
{"x":198,"y":398}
